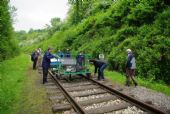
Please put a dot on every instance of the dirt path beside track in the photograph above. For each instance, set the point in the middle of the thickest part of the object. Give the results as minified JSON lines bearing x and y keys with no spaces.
{"x":34,"y":97}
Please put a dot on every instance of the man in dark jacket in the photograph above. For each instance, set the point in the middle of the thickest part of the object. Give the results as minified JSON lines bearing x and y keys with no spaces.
{"x":130,"y":68}
{"x":80,"y":58}
{"x":46,"y":64}
{"x":67,"y":54}
{"x":60,"y":54}
{"x":99,"y":65}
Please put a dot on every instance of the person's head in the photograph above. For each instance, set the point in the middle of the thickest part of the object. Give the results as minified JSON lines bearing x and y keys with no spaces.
{"x":49,"y":49}
{"x":129,"y":50}
{"x":80,"y":53}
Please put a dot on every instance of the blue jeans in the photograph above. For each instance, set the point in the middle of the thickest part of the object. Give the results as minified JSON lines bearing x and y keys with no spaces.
{"x":100,"y":71}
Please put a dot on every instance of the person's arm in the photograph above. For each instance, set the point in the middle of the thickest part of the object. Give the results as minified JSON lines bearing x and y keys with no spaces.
{"x":50,"y":56}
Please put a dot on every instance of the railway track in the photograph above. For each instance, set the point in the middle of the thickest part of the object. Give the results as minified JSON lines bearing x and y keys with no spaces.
{"x":87,"y":96}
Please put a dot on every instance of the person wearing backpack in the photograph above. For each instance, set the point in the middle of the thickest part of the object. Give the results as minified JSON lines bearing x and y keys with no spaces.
{"x":34,"y":58}
{"x":130,"y":68}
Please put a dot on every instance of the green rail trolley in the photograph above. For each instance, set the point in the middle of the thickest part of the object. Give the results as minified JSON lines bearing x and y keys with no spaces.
{"x":66,"y":67}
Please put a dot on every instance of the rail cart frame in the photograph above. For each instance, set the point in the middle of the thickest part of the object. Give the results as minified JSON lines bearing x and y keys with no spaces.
{"x":66,"y":67}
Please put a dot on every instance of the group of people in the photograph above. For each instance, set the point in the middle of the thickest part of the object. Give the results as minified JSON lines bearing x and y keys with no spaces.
{"x":99,"y":64}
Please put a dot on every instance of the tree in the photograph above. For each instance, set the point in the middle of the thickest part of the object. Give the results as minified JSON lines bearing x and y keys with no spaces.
{"x":8,"y":46}
{"x":78,"y":5}
{"x":55,"y":25}
{"x":55,"y":21}
{"x":13,"y":10}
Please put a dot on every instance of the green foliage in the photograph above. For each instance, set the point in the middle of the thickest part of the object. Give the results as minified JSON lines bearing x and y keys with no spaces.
{"x":12,"y":74}
{"x":8,"y":45}
{"x":144,"y":12}
{"x":110,"y":27}
{"x":32,"y":37}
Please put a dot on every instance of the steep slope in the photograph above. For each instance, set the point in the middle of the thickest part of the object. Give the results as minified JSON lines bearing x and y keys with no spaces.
{"x":112,"y":27}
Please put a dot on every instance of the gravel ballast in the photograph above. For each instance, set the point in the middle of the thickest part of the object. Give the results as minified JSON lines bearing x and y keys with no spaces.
{"x":146,"y":95}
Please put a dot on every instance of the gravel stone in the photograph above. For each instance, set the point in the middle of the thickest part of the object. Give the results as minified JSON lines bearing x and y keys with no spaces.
{"x":91,"y":97}
{"x":98,"y":105}
{"x":144,"y":94}
{"x":85,"y":92}
{"x":129,"y":110}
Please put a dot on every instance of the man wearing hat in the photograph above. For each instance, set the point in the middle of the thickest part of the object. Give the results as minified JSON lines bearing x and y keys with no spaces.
{"x":46,"y":64}
{"x":67,"y":54}
{"x":130,"y":68}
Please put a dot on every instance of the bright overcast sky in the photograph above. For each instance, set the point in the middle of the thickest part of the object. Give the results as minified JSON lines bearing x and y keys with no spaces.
{"x":36,"y":13}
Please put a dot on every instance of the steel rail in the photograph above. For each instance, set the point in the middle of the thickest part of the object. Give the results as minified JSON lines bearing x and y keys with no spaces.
{"x":132,"y":100}
{"x":75,"y":105}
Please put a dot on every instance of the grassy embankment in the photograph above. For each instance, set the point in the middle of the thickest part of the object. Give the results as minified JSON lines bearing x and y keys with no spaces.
{"x":21,"y":89}
{"x":158,"y":86}
{"x":12,"y":75}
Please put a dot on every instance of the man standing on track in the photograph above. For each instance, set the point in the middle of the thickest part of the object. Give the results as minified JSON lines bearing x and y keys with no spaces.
{"x":130,"y":68}
{"x":67,"y":54}
{"x":80,"y":58}
{"x":46,"y":64}
{"x":100,"y":65}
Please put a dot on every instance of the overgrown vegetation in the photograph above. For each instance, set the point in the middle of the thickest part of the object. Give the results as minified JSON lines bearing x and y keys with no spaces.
{"x":8,"y":44}
{"x":93,"y":26}
{"x":12,"y":75}
{"x":112,"y":26}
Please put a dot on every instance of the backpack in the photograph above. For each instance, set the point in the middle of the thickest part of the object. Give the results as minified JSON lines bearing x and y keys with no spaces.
{"x":133,"y":62}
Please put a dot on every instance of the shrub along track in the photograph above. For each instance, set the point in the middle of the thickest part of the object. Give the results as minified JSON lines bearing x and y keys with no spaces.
{"x":87,"y":96}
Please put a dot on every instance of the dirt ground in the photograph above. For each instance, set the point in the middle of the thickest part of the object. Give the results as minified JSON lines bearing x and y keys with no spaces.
{"x":34,"y":98}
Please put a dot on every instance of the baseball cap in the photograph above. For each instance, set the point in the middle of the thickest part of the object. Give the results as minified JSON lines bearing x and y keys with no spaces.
{"x":129,"y":50}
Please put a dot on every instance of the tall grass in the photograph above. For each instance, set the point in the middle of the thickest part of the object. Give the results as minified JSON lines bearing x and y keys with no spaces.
{"x":12,"y":75}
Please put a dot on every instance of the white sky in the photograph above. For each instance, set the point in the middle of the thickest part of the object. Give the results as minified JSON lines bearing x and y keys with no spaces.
{"x":36,"y":13}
